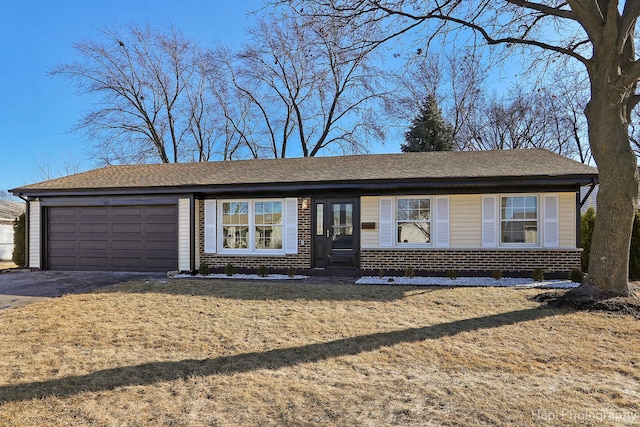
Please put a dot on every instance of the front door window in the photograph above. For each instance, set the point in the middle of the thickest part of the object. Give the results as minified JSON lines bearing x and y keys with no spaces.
{"x":342,"y":226}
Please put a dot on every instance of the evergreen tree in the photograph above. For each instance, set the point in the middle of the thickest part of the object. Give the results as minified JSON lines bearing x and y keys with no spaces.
{"x":429,"y":131}
{"x":19,"y":237}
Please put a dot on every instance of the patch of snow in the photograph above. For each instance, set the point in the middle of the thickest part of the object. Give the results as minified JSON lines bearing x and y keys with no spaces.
{"x":467,"y":281}
{"x":242,"y":276}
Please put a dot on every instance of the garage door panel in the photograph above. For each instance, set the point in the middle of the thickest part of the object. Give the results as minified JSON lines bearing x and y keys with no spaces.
{"x":63,"y":213}
{"x":63,"y":244}
{"x":94,"y":244}
{"x":127,"y":228}
{"x":61,"y":227}
{"x":161,"y":228}
{"x":94,"y":228}
{"x":127,"y":211}
{"x":127,"y":245}
{"x":128,"y":238}
{"x":93,"y":212}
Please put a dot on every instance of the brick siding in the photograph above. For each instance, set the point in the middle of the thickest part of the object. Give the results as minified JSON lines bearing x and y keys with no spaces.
{"x":442,"y":260}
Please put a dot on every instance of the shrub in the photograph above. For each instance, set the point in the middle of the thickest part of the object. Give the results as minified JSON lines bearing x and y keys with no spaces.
{"x":18,"y":256}
{"x":453,"y":275}
{"x":576,"y":275}
{"x":204,"y":269}
{"x":587,"y":222}
{"x":263,"y":271}
{"x":409,"y":272}
{"x":496,"y":274}
{"x":291,"y":272}
{"x":586,"y":228}
{"x":229,"y":269}
{"x":381,"y":273}
{"x":537,"y":274}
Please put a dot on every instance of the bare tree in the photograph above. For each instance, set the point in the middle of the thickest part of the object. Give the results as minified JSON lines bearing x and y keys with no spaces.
{"x":68,"y":165}
{"x":300,"y":88}
{"x":139,"y":79}
{"x":599,"y":35}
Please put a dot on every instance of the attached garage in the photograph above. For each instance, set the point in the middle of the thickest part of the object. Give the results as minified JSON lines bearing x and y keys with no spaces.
{"x":103,"y":238}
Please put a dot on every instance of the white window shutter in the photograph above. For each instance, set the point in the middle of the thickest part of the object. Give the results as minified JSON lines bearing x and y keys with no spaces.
{"x":489,"y":222}
{"x":442,"y":222}
{"x":210,"y":226}
{"x":291,"y":225}
{"x":386,"y":222}
{"x":550,"y":229}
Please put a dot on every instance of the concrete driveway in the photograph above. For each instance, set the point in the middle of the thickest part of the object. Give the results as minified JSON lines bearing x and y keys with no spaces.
{"x":19,"y":288}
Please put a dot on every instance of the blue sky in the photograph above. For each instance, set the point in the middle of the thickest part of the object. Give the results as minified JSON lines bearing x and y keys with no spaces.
{"x":37,"y":111}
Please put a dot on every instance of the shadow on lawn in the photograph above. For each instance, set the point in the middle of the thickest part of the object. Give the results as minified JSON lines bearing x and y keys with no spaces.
{"x":268,"y":290}
{"x":154,"y":372}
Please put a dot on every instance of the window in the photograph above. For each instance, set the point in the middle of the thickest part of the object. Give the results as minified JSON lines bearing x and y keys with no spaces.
{"x":519,"y":220}
{"x":252,"y":225}
{"x":268,"y":225}
{"x":235,"y":225}
{"x":413,"y":217}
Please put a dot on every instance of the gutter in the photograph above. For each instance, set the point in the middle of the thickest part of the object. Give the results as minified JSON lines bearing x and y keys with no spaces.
{"x":362,"y":187}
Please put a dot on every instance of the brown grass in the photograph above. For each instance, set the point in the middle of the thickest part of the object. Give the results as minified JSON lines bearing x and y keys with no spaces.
{"x":5,"y":265}
{"x":188,"y":352}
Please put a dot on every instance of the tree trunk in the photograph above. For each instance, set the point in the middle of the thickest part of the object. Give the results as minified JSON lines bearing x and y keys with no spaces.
{"x":617,"y":196}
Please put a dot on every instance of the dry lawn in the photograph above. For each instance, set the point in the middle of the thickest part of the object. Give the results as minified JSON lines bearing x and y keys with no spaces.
{"x":209,"y":353}
{"x":4,"y":265}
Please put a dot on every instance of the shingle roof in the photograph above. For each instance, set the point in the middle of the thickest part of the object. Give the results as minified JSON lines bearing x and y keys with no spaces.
{"x":10,"y":210}
{"x":378,"y":167}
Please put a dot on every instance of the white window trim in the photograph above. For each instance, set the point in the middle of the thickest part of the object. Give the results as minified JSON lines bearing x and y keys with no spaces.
{"x":539,"y":221}
{"x":432,"y":223}
{"x":250,"y":250}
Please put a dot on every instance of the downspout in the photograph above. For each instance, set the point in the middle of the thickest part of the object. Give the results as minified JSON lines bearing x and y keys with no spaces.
{"x":580,"y":204}
{"x":584,"y":199}
{"x":192,"y":232}
{"x":27,"y":225}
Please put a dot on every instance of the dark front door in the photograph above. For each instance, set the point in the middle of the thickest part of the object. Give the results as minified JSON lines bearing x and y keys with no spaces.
{"x":336,"y":241}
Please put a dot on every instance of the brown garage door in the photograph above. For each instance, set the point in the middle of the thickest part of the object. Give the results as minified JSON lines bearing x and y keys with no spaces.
{"x":112,"y":238}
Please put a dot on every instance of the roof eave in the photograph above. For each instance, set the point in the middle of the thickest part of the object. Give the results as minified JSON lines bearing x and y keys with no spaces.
{"x":467,"y":183}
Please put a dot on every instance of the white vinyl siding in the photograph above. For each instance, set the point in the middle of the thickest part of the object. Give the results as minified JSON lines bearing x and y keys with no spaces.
{"x":489,"y":222}
{"x":386,"y":222}
{"x":35,"y":222}
{"x":442,"y":222}
{"x":567,"y":220}
{"x":465,"y":227}
{"x":370,"y":212}
{"x":474,"y":221}
{"x":184,"y":234}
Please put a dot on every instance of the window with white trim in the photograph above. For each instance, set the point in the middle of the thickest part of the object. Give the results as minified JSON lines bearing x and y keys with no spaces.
{"x":413,"y":221}
{"x":519,"y":220}
{"x":248,"y":226}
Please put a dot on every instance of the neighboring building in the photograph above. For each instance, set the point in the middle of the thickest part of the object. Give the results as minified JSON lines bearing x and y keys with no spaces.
{"x":9,"y":212}
{"x":437,"y":211}
{"x":589,"y":195}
